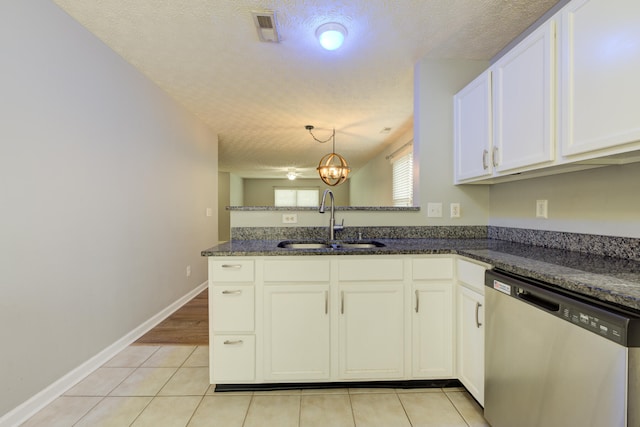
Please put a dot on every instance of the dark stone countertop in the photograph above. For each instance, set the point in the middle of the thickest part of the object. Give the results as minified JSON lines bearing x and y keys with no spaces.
{"x":604,"y":278}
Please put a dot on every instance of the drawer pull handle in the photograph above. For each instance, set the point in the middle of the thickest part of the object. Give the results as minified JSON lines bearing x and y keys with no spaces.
{"x":235,"y":342}
{"x":417,"y":301}
{"x":231,"y":292}
{"x":485,"y":163}
{"x":478,"y":324}
{"x":342,"y":302}
{"x":233,"y":266}
{"x":494,"y":157}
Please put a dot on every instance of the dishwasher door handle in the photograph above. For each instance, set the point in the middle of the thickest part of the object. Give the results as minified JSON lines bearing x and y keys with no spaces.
{"x":537,"y":300}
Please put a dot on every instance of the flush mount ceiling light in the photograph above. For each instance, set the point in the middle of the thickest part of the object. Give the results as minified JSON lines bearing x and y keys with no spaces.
{"x":331,"y":35}
{"x":333,"y":168}
{"x":292,"y":174}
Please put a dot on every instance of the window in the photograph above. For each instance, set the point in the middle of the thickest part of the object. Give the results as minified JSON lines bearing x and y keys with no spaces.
{"x":403,"y":179}
{"x":296,"y":197}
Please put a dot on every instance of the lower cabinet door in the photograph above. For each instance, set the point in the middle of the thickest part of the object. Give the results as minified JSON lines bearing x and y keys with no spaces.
{"x":296,"y":332}
{"x":233,"y":359}
{"x":433,"y":331}
{"x":471,"y":341}
{"x":371,"y":331}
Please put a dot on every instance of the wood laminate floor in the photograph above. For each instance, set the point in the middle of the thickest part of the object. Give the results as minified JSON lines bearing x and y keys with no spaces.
{"x":189,"y":325}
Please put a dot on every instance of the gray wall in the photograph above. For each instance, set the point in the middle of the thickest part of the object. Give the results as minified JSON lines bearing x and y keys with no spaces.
{"x":602,"y":201}
{"x":224,"y":200}
{"x":104,"y":184}
{"x":436,"y":81}
{"x":372,"y":185}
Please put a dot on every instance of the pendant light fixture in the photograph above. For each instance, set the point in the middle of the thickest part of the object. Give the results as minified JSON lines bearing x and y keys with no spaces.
{"x":333,"y":168}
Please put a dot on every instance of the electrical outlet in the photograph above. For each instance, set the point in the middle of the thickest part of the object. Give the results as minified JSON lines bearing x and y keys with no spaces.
{"x":434,"y":210}
{"x":542,"y":209}
{"x":188,"y":271}
{"x":454,"y":210}
{"x":289,"y":218}
{"x":208,"y":212}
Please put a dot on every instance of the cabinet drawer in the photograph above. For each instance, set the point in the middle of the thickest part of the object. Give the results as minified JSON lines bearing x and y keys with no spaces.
{"x":233,"y":358}
{"x":232,"y":308}
{"x":370,"y":269}
{"x":472,"y":275}
{"x":231,"y":270}
{"x":304,"y":270}
{"x":432,"y":268}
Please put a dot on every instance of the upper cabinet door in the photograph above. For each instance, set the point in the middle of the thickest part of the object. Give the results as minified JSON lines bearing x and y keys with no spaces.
{"x":523,"y":102}
{"x":472,"y":129}
{"x":600,"y":74}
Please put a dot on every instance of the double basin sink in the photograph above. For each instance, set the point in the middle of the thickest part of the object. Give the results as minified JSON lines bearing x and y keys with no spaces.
{"x":337,"y":244}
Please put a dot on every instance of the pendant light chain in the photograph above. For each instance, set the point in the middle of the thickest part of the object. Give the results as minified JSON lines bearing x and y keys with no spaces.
{"x":333,"y":136}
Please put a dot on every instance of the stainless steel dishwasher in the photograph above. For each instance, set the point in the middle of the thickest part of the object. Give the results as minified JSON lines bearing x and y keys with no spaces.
{"x":555,"y":360}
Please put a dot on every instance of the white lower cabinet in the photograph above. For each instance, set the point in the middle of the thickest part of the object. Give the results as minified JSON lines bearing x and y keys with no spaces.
{"x":331,"y":318}
{"x":470,"y":327}
{"x":232,"y":340}
{"x":233,"y":359}
{"x":371,"y":330}
{"x":433,"y":331}
{"x":432,"y":317}
{"x":471,"y":341}
{"x":296,"y":332}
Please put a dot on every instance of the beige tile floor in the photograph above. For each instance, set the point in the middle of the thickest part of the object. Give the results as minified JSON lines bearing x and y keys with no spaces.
{"x":169,"y":386}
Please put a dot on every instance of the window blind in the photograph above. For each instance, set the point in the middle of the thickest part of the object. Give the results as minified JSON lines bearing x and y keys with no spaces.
{"x":403,"y":180}
{"x":296,"y":197}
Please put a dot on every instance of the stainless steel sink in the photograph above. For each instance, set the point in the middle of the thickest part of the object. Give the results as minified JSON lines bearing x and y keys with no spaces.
{"x":308,"y":244}
{"x":291,"y":244}
{"x":361,"y":244}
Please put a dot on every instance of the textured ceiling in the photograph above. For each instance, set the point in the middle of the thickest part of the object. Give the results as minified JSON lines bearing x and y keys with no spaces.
{"x":259,"y":96}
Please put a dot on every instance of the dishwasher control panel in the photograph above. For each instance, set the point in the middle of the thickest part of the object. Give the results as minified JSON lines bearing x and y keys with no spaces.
{"x":593,"y":322}
{"x":617,"y":326}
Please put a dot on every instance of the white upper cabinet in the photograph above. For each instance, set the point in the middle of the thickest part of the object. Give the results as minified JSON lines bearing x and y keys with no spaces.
{"x":472,"y":129}
{"x":563,"y":99}
{"x":523,"y":102}
{"x":600,"y":70}
{"x":504,"y":119}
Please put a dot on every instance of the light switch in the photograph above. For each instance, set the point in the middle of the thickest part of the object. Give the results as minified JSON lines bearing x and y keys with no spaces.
{"x":434,"y":210}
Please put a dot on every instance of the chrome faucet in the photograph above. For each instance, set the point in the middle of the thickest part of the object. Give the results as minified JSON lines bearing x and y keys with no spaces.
{"x":332,"y":220}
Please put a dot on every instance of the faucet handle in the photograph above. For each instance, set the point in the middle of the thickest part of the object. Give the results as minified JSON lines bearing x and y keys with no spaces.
{"x":339,"y":226}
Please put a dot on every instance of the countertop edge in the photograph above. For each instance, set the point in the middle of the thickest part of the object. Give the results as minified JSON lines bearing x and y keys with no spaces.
{"x":619,"y":284}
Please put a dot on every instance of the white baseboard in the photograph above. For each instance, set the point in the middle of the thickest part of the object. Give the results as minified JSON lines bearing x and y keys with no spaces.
{"x":38,"y":401}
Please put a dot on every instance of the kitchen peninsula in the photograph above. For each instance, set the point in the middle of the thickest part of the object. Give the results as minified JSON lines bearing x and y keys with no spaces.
{"x":300,"y":315}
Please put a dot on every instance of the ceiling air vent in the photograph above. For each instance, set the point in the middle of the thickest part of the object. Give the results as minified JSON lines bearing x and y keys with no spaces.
{"x":265,"y":22}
